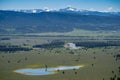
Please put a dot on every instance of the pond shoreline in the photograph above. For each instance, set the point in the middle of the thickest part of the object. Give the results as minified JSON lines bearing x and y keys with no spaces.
{"x":45,"y":71}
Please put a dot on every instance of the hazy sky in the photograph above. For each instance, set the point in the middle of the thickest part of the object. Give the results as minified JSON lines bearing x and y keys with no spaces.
{"x":99,"y":5}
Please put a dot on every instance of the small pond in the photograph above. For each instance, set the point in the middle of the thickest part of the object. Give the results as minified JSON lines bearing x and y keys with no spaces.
{"x":44,"y":71}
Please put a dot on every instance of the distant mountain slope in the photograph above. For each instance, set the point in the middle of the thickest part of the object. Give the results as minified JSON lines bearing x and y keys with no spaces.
{"x":70,"y":10}
{"x":19,"y":22}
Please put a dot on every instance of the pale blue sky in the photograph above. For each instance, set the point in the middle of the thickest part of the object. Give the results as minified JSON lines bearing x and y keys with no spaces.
{"x":98,"y":5}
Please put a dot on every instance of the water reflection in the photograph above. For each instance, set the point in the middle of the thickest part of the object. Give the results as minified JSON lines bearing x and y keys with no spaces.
{"x":42,"y":71}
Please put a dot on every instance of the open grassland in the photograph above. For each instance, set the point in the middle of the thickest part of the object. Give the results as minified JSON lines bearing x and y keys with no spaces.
{"x":99,"y":63}
{"x":84,"y":33}
{"x":30,"y":40}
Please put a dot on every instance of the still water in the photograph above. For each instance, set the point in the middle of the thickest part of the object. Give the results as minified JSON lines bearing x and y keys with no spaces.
{"x":44,"y":71}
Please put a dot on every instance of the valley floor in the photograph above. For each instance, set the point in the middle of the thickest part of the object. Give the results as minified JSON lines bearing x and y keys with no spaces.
{"x":99,"y":63}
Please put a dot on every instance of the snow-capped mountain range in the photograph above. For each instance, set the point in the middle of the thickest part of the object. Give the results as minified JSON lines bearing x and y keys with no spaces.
{"x":62,"y":20}
{"x":69,"y":10}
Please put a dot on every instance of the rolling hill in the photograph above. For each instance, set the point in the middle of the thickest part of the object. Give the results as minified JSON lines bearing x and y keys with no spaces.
{"x":13,"y":22}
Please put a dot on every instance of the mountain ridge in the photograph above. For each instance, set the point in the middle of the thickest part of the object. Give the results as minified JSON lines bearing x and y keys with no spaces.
{"x":69,"y":10}
{"x":12,"y":22}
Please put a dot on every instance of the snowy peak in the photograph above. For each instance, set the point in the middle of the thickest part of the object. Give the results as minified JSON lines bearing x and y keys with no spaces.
{"x":30,"y":10}
{"x":69,"y":10}
{"x":47,"y":10}
{"x":34,"y":11}
{"x":87,"y":12}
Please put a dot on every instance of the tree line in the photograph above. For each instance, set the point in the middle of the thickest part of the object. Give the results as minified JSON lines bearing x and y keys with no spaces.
{"x":91,"y":44}
{"x":58,"y":44}
{"x":13,"y":48}
{"x":53,"y":44}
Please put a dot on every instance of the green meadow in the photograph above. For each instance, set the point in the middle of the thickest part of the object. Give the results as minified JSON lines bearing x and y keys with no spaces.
{"x":98,"y":63}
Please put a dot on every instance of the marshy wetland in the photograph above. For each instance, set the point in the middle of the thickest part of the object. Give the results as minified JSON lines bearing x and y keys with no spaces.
{"x":99,"y":62}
